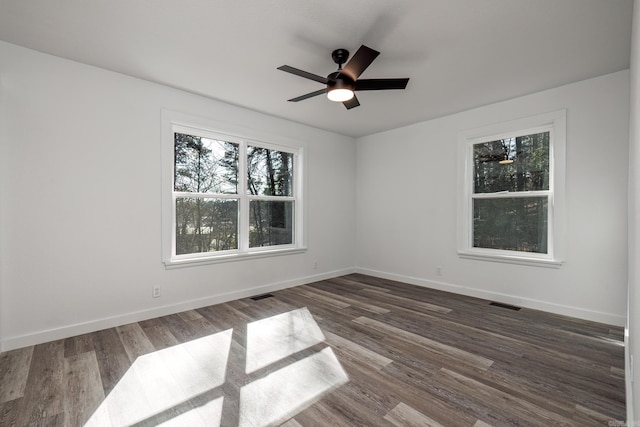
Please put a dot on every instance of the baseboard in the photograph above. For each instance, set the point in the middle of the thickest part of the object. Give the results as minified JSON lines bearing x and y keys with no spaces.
{"x":26,"y":340}
{"x":39,"y":337}
{"x":595,"y":316}
{"x":628,"y":379}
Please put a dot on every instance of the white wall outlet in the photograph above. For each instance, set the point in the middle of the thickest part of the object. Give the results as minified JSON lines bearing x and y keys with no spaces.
{"x":315,"y":264}
{"x":155,"y":291}
{"x":439,"y":270}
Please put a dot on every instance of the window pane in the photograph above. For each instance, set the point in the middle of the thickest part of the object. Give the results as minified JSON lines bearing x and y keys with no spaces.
{"x":512,"y":164}
{"x":270,"y":173}
{"x":270,"y":223}
{"x":205,"y":165}
{"x":514,"y":224}
{"x":206,"y":225}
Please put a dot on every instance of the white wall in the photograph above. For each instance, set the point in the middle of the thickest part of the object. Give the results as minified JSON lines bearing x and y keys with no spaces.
{"x":633,"y":322}
{"x":407,"y":201}
{"x":80,"y":203}
{"x":80,"y":179}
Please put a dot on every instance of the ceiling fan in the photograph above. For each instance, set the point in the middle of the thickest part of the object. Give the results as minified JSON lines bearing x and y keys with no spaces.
{"x":342,"y":84}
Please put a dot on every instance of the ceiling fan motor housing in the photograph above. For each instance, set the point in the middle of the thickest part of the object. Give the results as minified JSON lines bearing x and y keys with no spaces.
{"x":336,"y":80}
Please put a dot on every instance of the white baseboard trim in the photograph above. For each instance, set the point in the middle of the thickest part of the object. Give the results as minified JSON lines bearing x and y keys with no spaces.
{"x":628,"y":378}
{"x":580,"y":313}
{"x":53,"y":334}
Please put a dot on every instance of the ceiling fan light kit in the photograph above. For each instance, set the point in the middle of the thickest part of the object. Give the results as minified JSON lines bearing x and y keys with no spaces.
{"x":340,"y":88}
{"x":342,"y":84}
{"x":340,"y":95}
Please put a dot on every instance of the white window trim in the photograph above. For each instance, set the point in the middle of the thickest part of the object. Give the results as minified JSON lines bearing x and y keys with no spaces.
{"x":172,"y":120}
{"x":555,"y":122}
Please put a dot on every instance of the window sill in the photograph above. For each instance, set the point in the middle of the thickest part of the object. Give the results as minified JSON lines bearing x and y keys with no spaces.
{"x":216,"y":259}
{"x":510,"y":259}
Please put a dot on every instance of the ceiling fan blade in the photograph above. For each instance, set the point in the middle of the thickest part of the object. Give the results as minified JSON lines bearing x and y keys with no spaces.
{"x":352,"y":103}
{"x":359,"y":62}
{"x":308,"y":95}
{"x":304,"y":74}
{"x":381,"y":84}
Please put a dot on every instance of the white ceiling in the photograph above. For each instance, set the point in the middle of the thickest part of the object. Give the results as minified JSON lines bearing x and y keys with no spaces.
{"x":459,"y":54}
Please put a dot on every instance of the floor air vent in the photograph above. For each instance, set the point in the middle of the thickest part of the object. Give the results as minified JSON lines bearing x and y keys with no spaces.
{"x":259,"y":297}
{"x":501,"y":305}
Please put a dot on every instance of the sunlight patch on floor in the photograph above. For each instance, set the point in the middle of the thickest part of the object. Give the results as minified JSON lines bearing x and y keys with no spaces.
{"x":165,"y":378}
{"x":209,"y":414}
{"x":277,"y":337}
{"x":287,"y":391}
{"x":182,"y":385}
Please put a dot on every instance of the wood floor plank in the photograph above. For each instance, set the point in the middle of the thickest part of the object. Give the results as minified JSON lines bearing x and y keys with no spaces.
{"x":411,"y":356}
{"x":10,"y":412}
{"x":357,"y":352}
{"x":444,"y":350}
{"x":83,"y":390}
{"x":224,"y":316}
{"x":335,"y":302}
{"x":42,"y":401}
{"x":322,"y":415}
{"x":158,"y":334}
{"x":347,"y":405}
{"x":14,"y":369}
{"x":181,"y":329}
{"x":190,"y":315}
{"x":405,"y":416}
{"x":78,"y":344}
{"x":617,"y":372}
{"x":408,"y":302}
{"x":586,"y":416}
{"x":135,"y":341}
{"x":386,"y":390}
{"x":501,"y":402}
{"x":349,"y":301}
{"x":495,"y":346}
{"x":355,"y":282}
{"x":291,"y":423}
{"x":112,"y":358}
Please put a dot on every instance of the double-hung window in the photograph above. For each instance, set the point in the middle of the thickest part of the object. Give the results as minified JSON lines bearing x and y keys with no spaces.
{"x":228,"y":197}
{"x":512,"y":200}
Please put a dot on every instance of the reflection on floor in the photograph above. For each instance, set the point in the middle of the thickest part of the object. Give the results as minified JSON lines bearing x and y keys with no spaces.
{"x":277,"y":337}
{"x":159,"y":382}
{"x":284,"y":393}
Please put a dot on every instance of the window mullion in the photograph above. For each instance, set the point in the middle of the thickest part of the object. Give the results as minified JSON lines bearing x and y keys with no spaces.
{"x":243,"y":210}
{"x":271,"y":198}
{"x":511,"y":194}
{"x":205,"y":195}
{"x":174,"y":221}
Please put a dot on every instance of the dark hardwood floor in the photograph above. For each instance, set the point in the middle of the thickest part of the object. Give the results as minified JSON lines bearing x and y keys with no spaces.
{"x":350,"y":351}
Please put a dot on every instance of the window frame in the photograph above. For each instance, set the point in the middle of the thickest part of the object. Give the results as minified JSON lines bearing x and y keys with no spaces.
{"x":555,"y":124}
{"x":175,"y":122}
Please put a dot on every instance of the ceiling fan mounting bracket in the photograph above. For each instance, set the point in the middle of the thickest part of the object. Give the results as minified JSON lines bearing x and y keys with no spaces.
{"x":340,"y":56}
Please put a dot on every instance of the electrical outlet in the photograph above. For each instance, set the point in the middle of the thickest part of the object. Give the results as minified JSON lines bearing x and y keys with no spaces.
{"x":438,"y":271}
{"x":155,"y":291}
{"x":315,"y":264}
